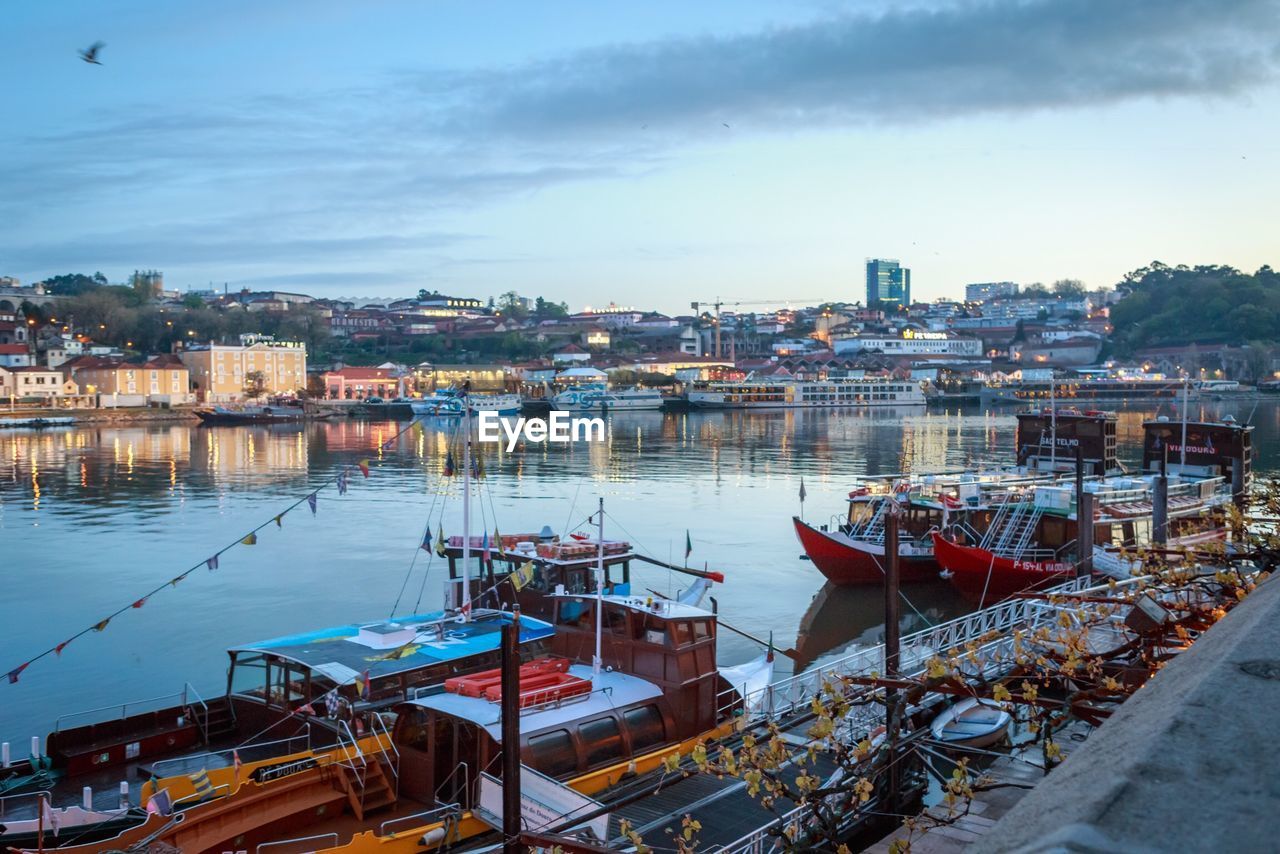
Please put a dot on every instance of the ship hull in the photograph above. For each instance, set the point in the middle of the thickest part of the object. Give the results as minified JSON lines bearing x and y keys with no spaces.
{"x":983,"y":577}
{"x":851,"y":563}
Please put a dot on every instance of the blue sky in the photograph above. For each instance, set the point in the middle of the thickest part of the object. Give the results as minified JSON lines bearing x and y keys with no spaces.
{"x":644,"y":153}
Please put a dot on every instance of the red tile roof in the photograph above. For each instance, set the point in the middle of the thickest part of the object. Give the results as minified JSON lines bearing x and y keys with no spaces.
{"x":13,"y":349}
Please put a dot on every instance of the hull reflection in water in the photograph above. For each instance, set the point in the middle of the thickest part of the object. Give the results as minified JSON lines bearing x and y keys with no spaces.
{"x":840,"y":616}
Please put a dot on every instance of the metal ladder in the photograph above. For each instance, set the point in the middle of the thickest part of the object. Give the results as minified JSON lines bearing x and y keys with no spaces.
{"x":873,"y":530}
{"x":1017,"y":532}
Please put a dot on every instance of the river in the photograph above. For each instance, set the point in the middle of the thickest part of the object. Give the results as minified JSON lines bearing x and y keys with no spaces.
{"x":93,"y":517}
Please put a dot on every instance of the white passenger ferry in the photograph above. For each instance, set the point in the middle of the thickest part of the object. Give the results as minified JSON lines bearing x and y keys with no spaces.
{"x":596,"y":397}
{"x":764,"y":394}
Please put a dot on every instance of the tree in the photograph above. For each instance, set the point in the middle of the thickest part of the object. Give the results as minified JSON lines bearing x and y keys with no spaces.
{"x":192,"y":301}
{"x":316,"y":389}
{"x":73,"y":284}
{"x":255,"y":384}
{"x":544,"y":309}
{"x":512,"y":305}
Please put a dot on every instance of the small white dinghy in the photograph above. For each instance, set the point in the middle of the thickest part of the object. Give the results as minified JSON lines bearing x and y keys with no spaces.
{"x":971,"y":723}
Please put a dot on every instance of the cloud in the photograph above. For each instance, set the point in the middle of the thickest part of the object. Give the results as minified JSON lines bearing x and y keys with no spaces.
{"x":909,"y":65}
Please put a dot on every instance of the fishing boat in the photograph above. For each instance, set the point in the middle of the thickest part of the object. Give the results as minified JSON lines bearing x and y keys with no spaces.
{"x":851,"y":550}
{"x":971,"y":722}
{"x":598,"y":397}
{"x":450,"y":402}
{"x":788,"y":394}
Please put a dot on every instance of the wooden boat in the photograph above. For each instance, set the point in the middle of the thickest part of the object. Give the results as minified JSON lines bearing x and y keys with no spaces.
{"x":971,"y":722}
{"x":39,"y":422}
{"x":258,"y":414}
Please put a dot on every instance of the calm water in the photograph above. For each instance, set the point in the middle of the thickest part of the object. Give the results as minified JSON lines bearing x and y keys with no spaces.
{"x":92,"y":518}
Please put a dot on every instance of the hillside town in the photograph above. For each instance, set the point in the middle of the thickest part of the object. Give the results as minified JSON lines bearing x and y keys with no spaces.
{"x":64,"y":342}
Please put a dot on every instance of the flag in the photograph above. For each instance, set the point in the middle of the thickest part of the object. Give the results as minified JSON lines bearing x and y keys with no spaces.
{"x":15,"y":672}
{"x":280,"y":521}
{"x":311,"y":502}
{"x":306,"y":709}
{"x":173,"y":582}
{"x":522,"y":576}
{"x":97,"y":627}
{"x":363,"y":685}
{"x":803,"y":494}
{"x":251,"y":540}
{"x":160,"y":803}
{"x":332,"y":703}
{"x":200,"y":780}
{"x":484,"y":547}
{"x":140,"y":602}
{"x":212,"y":563}
{"x":688,"y":545}
{"x":235,"y":757}
{"x":426,"y":541}
{"x":440,"y":547}
{"x":497,"y":541}
{"x":448,"y":465}
{"x":60,"y":647}
{"x":363,"y":465}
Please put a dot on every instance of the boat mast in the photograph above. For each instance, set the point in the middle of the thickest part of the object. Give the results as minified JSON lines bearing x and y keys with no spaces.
{"x":1186,"y":385}
{"x":595,"y":662}
{"x":1053,"y":422}
{"x":466,"y":503}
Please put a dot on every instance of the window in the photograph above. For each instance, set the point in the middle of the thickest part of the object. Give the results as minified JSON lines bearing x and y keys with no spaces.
{"x":602,"y":740}
{"x":553,"y":753}
{"x":645,"y":726}
{"x":249,"y":675}
{"x":701,"y":629}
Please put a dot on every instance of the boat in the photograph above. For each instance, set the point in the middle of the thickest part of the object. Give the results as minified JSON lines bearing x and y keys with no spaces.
{"x":598,"y":397}
{"x":850,"y":551}
{"x":1082,"y":389}
{"x":278,"y":413}
{"x":449,"y":403}
{"x":787,"y":393}
{"x":971,"y":722}
{"x":38,"y":422}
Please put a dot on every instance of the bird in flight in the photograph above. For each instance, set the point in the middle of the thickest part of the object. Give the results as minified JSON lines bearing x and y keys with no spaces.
{"x":91,"y":55}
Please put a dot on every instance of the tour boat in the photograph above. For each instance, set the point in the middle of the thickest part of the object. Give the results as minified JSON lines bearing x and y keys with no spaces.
{"x":258,"y":414}
{"x":787,"y":393}
{"x":850,"y":551}
{"x":597,"y":397}
{"x":971,"y":722}
{"x":449,"y":403}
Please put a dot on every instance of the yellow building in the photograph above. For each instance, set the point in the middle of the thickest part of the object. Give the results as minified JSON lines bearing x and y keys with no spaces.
{"x":160,"y":378}
{"x":221,"y":372}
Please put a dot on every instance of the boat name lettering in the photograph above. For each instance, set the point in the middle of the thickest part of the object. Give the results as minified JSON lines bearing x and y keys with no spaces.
{"x":267,"y":773}
{"x":560,"y":427}
{"x":1037,"y":566}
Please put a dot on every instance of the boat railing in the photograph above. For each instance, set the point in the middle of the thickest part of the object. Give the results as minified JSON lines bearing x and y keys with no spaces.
{"x":378,"y":727}
{"x":8,"y":802}
{"x":250,"y":752}
{"x":124,"y":708}
{"x":225,"y":789}
{"x":466,"y":782}
{"x":352,"y":756}
{"x":328,"y":837}
{"x":446,"y":813}
{"x":797,"y":691}
{"x":189,"y":689}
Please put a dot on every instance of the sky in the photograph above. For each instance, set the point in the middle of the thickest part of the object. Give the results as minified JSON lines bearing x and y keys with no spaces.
{"x":648,"y":154}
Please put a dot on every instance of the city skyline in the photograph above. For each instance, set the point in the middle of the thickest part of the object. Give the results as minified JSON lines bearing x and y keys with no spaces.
{"x":740,"y":150}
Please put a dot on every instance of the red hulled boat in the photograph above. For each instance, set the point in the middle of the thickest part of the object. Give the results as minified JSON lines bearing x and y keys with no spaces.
{"x":848,"y":562}
{"x":984,"y":577}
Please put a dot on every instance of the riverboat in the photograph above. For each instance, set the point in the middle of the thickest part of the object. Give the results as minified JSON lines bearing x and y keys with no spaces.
{"x":598,"y":397}
{"x":1082,"y":389}
{"x":850,"y":550}
{"x":789,"y":394}
{"x":450,"y":402}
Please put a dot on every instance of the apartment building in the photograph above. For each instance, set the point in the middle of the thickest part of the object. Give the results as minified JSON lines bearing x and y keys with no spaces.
{"x":220,"y":372}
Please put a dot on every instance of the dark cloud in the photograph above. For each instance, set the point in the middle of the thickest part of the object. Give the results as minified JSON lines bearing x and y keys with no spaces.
{"x":908,"y":65}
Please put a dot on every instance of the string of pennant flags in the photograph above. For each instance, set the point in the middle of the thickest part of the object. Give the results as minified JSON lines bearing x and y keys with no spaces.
{"x":341,"y":480}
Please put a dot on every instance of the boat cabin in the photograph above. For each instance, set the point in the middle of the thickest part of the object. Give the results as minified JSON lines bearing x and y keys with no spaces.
{"x":1049,"y":437}
{"x":369,"y":666}
{"x":1209,"y":449}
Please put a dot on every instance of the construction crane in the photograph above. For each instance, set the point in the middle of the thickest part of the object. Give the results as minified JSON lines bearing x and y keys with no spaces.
{"x":717,"y":303}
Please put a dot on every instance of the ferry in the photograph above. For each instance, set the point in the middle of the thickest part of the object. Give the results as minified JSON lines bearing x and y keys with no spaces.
{"x":766,"y":394}
{"x":449,"y":403}
{"x":850,"y":550}
{"x":1083,"y":389}
{"x":597,"y":397}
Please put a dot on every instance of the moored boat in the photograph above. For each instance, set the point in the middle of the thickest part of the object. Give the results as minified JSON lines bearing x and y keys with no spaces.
{"x":971,"y":722}
{"x":598,"y":397}
{"x":276,"y":413}
{"x":449,"y":403}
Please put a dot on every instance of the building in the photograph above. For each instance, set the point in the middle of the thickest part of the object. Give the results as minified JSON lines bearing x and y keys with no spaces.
{"x":888,"y":283}
{"x":985,"y":291}
{"x":570,"y":353}
{"x":910,"y":342}
{"x":220,"y":372}
{"x":13,"y":330}
{"x":353,"y":383}
{"x":14,"y":355}
{"x":160,"y":379}
{"x":32,"y":381}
